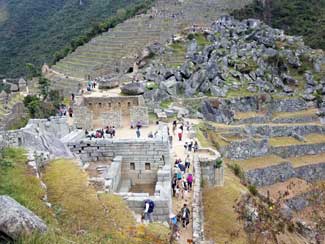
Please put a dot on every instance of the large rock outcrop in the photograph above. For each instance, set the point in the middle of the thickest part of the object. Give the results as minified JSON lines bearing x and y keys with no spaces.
{"x":16,"y":220}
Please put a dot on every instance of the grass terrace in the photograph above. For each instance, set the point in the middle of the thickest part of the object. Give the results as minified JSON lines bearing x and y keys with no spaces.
{"x":298,"y":114}
{"x":219,"y":216}
{"x":258,"y":162}
{"x":307,"y":159}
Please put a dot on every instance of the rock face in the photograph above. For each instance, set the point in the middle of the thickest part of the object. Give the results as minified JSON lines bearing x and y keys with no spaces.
{"x":16,"y":220}
{"x":244,"y":57}
{"x":107,"y":83}
{"x":133,"y":89}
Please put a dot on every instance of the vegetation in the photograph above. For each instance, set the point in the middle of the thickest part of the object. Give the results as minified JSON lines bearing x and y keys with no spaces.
{"x":296,"y":17}
{"x":166,"y":104}
{"x":220,"y":219}
{"x":32,"y":32}
{"x":78,"y":214}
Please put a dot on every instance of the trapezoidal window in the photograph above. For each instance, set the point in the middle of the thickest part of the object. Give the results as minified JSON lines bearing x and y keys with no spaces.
{"x":119,"y":104}
{"x":129,"y":104}
{"x":100,"y":105}
{"x":109,"y":105}
{"x":147,"y":166}
{"x":132,"y":166}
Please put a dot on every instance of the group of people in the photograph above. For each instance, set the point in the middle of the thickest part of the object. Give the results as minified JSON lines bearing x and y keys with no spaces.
{"x":100,"y":133}
{"x":182,"y":217}
{"x":63,"y":111}
{"x":189,"y":146}
{"x":91,"y":85}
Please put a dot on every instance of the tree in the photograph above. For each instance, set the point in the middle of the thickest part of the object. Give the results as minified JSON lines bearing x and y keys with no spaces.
{"x":44,"y":87}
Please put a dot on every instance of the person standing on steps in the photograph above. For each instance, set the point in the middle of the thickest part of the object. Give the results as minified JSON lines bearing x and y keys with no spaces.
{"x":196,"y":146}
{"x":149,"y":206}
{"x":185,"y":212}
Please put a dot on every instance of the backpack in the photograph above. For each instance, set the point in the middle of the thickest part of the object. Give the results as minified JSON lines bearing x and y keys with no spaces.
{"x":151,"y":205}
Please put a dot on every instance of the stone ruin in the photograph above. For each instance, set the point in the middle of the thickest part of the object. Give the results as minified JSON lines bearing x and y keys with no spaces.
{"x":134,"y":163}
{"x":99,"y":112}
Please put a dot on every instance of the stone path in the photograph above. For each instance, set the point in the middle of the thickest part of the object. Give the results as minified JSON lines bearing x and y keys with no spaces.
{"x":179,"y":152}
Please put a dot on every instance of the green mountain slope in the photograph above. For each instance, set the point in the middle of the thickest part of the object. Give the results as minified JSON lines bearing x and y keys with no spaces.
{"x":31,"y":31}
{"x":296,"y":17}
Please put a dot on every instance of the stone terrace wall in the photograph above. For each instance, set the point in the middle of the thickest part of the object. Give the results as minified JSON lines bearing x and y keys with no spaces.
{"x":298,"y":150}
{"x":284,"y":171}
{"x":244,"y":149}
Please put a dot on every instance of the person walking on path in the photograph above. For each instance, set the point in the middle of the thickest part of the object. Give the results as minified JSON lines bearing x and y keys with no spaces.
{"x":185,"y":212}
{"x":138,"y":132}
{"x":180,"y":134}
{"x":189,"y":181}
{"x":148,"y":210}
{"x":187,"y":162}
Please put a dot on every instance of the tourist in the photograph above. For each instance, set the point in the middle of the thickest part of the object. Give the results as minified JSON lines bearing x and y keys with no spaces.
{"x":150,"y":135}
{"x":185,"y":146}
{"x":132,"y":125}
{"x":190,"y":145}
{"x":113,"y":131}
{"x":189,"y":181}
{"x":185,"y":215}
{"x":138,"y":133}
{"x":173,"y":221}
{"x":187,"y":162}
{"x":174,"y":183}
{"x":180,"y":134}
{"x":187,"y":126}
{"x":182,"y":168}
{"x":139,"y":124}
{"x":148,"y":211}
{"x":72,"y":97}
{"x":70,"y":112}
{"x":182,"y":127}
{"x":196,"y":146}
{"x":179,"y":175}
{"x":174,"y":126}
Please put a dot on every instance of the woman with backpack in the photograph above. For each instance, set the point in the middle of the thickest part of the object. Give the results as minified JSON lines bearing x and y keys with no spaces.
{"x":185,"y":212}
{"x":148,"y":210}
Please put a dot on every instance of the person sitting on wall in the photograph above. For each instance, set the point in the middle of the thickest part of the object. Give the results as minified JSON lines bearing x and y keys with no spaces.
{"x":132,"y":125}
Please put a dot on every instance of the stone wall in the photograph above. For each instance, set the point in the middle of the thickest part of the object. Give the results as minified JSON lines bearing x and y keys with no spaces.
{"x":108,"y":104}
{"x":113,"y":118}
{"x":298,"y":150}
{"x":210,"y":174}
{"x":244,"y":149}
{"x":197,"y":206}
{"x":82,"y":117}
{"x":139,"y":113}
{"x":17,"y":112}
{"x":284,"y":171}
{"x":141,"y":157}
{"x":99,"y":112}
{"x":113,"y":175}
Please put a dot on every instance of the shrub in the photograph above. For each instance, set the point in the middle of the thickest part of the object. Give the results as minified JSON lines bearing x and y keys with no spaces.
{"x":237,"y":170}
{"x":252,"y":189}
{"x":218,"y":163}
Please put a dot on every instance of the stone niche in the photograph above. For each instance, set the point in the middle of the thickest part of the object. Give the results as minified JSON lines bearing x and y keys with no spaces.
{"x":139,"y":113}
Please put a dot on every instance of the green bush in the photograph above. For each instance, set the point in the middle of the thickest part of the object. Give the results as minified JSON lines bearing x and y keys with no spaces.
{"x":237,"y":170}
{"x":252,"y":189}
{"x":218,"y":163}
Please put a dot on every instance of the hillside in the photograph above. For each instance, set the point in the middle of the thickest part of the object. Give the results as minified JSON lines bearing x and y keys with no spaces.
{"x":296,"y":17}
{"x":31,"y":31}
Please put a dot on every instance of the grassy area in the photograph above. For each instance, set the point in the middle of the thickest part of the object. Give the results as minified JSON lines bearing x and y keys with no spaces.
{"x":307,"y":159}
{"x":304,"y":113}
{"x":22,"y":122}
{"x":178,"y":48}
{"x":104,"y":218}
{"x":78,"y":214}
{"x":221,"y":223}
{"x":209,"y":138}
{"x":258,"y":162}
{"x":165,"y":104}
{"x":17,"y":181}
{"x":201,"y":40}
{"x":283,"y":141}
{"x":246,"y":115}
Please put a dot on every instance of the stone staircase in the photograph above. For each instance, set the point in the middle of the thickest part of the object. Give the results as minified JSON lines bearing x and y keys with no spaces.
{"x":116,"y":50}
{"x":125,"y":185}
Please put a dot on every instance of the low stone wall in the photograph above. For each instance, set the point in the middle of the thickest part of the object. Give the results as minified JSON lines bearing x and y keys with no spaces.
{"x":284,"y":171}
{"x":305,"y":119}
{"x":139,"y":113}
{"x":298,"y":150}
{"x":197,"y":206}
{"x":113,"y":175}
